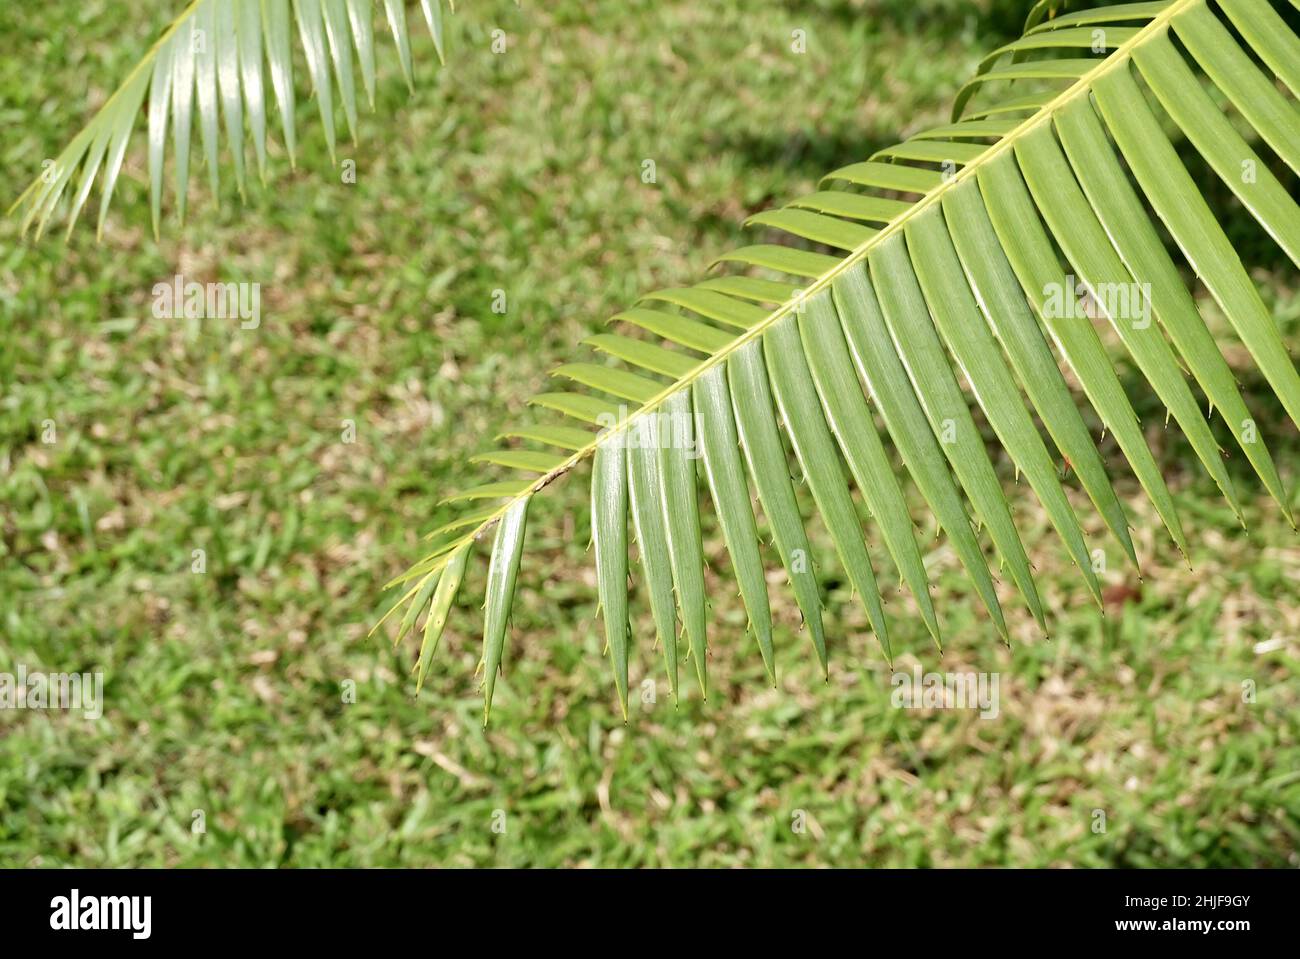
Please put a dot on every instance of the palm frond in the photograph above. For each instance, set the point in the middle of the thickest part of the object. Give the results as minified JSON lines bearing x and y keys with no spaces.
{"x":954,"y":251}
{"x":214,"y":64}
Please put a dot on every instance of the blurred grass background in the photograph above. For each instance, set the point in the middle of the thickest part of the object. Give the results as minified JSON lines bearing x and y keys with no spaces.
{"x":521,"y":172}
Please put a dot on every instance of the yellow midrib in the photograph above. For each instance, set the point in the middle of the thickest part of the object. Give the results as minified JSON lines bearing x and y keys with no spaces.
{"x":146,"y":60}
{"x":1043,"y":115}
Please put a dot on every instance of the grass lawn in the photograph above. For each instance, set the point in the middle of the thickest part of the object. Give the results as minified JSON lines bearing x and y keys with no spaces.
{"x":521,"y":172}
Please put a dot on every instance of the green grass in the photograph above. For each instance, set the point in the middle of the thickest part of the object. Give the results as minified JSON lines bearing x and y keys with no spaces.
{"x":521,"y":172}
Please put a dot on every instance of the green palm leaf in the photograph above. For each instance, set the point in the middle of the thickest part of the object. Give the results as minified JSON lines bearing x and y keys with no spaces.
{"x":942,"y":272}
{"x":212,"y":66}
{"x":959,"y":251}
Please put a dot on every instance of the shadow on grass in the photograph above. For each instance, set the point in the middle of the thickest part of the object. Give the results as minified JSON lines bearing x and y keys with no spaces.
{"x":993,"y":21}
{"x":797,"y":153}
